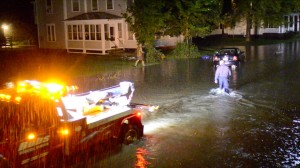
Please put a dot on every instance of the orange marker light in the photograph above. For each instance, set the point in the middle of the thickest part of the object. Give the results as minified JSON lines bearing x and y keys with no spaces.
{"x":31,"y":136}
{"x":64,"y":131}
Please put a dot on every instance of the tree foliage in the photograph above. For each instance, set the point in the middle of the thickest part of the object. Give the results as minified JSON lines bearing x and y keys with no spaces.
{"x":190,"y":18}
{"x":258,"y":12}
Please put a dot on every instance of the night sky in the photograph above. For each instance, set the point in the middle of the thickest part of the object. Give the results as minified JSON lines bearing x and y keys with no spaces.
{"x":16,"y":11}
{"x":19,"y":16}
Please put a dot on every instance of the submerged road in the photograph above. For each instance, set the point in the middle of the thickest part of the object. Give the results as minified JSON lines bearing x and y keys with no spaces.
{"x":257,"y":125}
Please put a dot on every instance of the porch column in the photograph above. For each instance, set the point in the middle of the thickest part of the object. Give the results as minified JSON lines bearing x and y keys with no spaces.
{"x":103,"y":38}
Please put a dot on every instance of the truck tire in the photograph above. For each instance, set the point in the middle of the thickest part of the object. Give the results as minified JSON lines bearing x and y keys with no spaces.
{"x":130,"y":134}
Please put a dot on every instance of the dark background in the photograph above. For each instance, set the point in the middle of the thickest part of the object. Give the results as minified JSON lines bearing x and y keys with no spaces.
{"x":19,"y":15}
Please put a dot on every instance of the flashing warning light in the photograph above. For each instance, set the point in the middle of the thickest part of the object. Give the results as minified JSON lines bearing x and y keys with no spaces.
{"x":51,"y":90}
{"x":64,"y":131}
{"x":138,"y":114}
{"x":54,"y":88}
{"x":31,"y":136}
{"x":18,"y":99}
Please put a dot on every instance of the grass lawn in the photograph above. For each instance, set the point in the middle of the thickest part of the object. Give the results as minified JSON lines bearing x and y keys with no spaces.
{"x":40,"y":64}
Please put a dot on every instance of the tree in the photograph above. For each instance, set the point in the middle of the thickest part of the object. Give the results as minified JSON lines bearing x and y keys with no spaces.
{"x":192,"y":18}
{"x":257,"y":12}
{"x":172,"y":17}
{"x":146,"y":18}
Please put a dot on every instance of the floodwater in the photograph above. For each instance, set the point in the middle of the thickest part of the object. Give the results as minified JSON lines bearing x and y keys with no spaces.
{"x":257,"y":125}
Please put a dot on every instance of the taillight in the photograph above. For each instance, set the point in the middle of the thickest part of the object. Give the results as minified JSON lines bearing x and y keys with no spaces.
{"x":235,"y":58}
{"x":138,"y":114}
{"x":216,"y":58}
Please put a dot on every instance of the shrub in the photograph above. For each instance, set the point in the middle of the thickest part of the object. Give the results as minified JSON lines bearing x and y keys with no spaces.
{"x":154,"y":56}
{"x":184,"y":50}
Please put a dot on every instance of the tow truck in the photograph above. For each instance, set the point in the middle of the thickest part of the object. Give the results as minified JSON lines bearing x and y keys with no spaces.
{"x":40,"y":121}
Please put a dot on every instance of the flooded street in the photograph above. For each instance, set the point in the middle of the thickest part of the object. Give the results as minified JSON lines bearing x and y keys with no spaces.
{"x":257,"y":125}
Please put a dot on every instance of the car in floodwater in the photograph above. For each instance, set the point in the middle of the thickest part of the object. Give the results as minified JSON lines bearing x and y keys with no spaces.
{"x":231,"y":56}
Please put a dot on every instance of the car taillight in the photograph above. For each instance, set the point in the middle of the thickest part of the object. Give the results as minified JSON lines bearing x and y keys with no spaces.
{"x":235,"y":58}
{"x":216,"y":58}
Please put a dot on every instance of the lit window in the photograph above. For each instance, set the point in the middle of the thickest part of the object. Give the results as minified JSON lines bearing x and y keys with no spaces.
{"x":51,"y":32}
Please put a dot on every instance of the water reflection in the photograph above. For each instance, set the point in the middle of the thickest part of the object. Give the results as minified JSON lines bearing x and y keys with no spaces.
{"x":256,"y":126}
{"x":141,"y":161}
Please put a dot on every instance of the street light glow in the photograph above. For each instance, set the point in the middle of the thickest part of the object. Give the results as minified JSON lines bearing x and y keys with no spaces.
{"x":4,"y":27}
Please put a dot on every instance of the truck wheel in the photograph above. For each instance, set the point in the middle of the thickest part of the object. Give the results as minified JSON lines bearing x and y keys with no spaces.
{"x":131,"y":134}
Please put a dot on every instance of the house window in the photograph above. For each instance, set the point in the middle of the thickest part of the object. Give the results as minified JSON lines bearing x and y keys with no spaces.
{"x":106,"y":31}
{"x":49,"y":7}
{"x":51,"y":33}
{"x":291,"y":21}
{"x":286,"y":21}
{"x":120,"y":30}
{"x":94,"y":5}
{"x":98,"y":32}
{"x":75,"y":32}
{"x":92,"y":32}
{"x":109,"y":4}
{"x":75,"y":6}
{"x":130,"y":33}
{"x":80,"y":32}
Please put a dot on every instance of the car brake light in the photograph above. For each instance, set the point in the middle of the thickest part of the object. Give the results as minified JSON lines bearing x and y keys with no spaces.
{"x":235,"y":58}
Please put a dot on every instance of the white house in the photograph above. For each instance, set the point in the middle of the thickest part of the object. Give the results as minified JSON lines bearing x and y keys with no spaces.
{"x":86,"y":26}
{"x":292,"y":24}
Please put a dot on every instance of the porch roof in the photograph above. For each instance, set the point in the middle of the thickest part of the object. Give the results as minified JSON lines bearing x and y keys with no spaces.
{"x":94,"y":16}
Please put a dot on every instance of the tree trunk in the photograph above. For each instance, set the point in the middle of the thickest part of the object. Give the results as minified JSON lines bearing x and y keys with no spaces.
{"x":248,"y":27}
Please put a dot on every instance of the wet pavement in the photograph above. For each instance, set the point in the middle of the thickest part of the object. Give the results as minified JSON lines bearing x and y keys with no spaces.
{"x":257,"y":125}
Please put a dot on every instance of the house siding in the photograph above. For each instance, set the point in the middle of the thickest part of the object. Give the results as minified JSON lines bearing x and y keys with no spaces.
{"x":61,"y":17}
{"x":43,"y":19}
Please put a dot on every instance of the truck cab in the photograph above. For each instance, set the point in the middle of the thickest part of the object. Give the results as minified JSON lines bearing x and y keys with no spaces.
{"x":43,"y":121}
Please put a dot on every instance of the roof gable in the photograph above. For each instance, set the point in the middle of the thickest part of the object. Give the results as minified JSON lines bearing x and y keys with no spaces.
{"x":94,"y":16}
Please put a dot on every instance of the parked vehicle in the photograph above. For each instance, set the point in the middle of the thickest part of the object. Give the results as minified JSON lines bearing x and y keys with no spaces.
{"x":231,"y":56}
{"x":41,"y":121}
